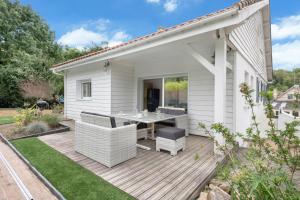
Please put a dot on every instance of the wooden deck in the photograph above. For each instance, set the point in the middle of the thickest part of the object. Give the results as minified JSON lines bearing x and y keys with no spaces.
{"x":151,"y":175}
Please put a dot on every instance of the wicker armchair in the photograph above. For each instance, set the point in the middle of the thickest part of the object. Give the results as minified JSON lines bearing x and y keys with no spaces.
{"x":106,"y":145}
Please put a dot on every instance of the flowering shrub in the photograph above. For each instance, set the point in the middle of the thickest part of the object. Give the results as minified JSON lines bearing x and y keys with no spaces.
{"x":25,"y":116}
{"x":270,"y":162}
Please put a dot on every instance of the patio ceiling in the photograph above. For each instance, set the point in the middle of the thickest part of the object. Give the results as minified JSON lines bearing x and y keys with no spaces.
{"x":172,"y":53}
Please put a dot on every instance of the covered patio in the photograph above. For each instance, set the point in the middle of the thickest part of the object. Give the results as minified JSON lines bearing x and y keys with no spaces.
{"x":118,"y":81}
{"x":151,"y":174}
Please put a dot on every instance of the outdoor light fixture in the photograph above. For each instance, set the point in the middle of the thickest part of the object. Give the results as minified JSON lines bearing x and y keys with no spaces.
{"x":106,"y":65}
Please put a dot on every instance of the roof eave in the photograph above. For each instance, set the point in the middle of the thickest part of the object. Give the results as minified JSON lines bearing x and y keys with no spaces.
{"x":107,"y":55}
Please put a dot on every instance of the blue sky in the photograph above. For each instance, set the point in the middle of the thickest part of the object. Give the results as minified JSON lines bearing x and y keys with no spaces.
{"x":79,"y":23}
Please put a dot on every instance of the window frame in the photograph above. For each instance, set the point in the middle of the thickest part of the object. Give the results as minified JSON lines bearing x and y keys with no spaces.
{"x":80,"y":89}
{"x":162,"y":77}
{"x":246,"y":78}
{"x":257,"y":90}
{"x":290,"y":95}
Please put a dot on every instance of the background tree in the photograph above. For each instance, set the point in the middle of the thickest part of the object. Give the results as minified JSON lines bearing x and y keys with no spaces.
{"x":27,"y":49}
{"x":284,"y":79}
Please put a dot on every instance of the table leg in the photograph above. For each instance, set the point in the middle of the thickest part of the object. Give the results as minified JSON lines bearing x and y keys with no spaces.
{"x":152,"y":125}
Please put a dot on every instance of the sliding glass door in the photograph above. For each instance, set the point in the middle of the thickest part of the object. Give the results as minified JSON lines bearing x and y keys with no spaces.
{"x":176,"y":92}
{"x":168,"y":91}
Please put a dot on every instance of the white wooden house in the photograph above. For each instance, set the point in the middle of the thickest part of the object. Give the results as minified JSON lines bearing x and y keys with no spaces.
{"x":214,"y":54}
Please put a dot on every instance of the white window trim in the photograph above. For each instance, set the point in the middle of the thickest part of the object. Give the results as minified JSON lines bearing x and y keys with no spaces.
{"x":80,"y":90}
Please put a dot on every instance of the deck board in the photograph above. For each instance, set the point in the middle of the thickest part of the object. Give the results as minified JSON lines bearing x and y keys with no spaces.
{"x":151,"y":175}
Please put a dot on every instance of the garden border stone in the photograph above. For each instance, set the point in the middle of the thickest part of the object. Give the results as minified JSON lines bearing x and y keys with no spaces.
{"x":63,"y":128}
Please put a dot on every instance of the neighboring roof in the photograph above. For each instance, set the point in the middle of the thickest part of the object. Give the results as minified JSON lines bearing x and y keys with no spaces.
{"x":297,"y":87}
{"x":239,"y":5}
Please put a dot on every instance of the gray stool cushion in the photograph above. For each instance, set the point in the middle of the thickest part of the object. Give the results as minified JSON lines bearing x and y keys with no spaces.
{"x":171,"y":133}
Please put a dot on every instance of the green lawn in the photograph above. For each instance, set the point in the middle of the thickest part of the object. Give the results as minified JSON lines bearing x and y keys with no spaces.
{"x":6,"y":120}
{"x":72,"y":180}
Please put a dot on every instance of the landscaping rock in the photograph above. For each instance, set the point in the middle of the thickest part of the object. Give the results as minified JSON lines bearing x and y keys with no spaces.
{"x":211,"y":195}
{"x":212,"y":186}
{"x":225,"y":187}
{"x":203,"y":196}
{"x":216,"y":182}
{"x":217,"y":194}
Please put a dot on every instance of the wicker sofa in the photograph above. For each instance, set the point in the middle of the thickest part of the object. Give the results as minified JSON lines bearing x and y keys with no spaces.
{"x":98,"y":137}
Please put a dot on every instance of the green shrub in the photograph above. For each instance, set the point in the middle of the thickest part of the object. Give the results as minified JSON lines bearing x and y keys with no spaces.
{"x":59,"y":108}
{"x":51,"y":119}
{"x":270,"y":162}
{"x":25,"y":116}
{"x":37,"y":127}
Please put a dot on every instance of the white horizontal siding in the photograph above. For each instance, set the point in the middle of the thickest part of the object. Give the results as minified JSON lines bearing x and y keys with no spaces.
{"x":122,"y":89}
{"x":101,"y":90}
{"x":201,"y":99}
{"x":229,"y":100}
{"x":248,"y":38}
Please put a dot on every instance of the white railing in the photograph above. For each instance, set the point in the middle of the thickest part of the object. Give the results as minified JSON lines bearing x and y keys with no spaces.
{"x":16,"y":178}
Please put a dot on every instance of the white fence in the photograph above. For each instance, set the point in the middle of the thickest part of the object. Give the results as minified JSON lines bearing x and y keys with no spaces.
{"x":284,"y":118}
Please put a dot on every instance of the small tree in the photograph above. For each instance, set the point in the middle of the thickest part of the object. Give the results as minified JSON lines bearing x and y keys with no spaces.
{"x":264,"y":174}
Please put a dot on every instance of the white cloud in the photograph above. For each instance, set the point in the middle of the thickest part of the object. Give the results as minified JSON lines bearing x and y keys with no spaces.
{"x":286,"y":55}
{"x":80,"y":38}
{"x":287,"y":27}
{"x":170,"y":5}
{"x":153,"y":1}
{"x":92,"y":33}
{"x":118,"y":38}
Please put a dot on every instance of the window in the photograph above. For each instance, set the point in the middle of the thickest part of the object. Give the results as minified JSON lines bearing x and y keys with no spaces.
{"x":176,"y":92}
{"x":290,"y":96}
{"x":246,"y":78}
{"x":252,"y":83}
{"x":261,"y":90}
{"x":257,"y":90}
{"x":84,"y":89}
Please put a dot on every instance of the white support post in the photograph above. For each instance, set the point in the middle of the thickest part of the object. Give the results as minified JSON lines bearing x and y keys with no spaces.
{"x":220,"y":85}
